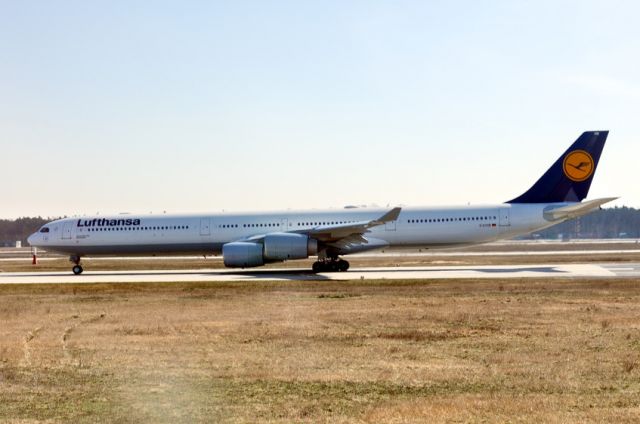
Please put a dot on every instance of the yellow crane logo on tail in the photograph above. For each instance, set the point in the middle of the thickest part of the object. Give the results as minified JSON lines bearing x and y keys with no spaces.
{"x":578,"y":165}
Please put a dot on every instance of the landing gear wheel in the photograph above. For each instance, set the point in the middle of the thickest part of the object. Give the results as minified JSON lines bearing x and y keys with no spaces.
{"x":317,"y":267}
{"x":77,"y":270}
{"x":343,"y":265}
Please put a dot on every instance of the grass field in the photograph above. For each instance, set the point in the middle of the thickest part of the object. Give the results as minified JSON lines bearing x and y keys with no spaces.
{"x":530,"y":350}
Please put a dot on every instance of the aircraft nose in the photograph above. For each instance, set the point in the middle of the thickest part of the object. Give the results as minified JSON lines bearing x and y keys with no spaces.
{"x":32,"y":239}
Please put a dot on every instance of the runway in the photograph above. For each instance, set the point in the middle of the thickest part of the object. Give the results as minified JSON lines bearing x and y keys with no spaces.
{"x":370,"y":273}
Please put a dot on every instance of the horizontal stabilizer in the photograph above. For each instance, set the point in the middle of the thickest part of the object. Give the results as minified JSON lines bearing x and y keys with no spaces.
{"x":575,"y":210}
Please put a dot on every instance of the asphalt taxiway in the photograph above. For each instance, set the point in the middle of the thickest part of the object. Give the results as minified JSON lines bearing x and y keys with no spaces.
{"x":631,"y":270}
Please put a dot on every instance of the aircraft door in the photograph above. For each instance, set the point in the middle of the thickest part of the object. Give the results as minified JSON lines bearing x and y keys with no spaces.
{"x":66,"y":230}
{"x":390,"y":226}
{"x":284,"y":224}
{"x":504,"y":218}
{"x":205,"y":228}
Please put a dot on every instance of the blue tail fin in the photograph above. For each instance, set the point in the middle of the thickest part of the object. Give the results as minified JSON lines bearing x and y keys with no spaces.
{"x":569,"y":178}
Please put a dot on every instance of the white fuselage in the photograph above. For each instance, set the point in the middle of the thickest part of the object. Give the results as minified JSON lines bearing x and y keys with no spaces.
{"x":206,"y":234}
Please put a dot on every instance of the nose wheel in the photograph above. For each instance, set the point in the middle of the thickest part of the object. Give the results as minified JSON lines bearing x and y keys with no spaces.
{"x":77,"y":268}
{"x":330,"y":265}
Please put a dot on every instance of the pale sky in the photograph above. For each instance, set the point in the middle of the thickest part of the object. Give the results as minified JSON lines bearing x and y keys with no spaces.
{"x":137,"y":106}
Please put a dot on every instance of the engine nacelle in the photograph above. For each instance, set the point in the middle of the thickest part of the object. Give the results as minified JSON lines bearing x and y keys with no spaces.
{"x":283,"y":246}
{"x":274,"y":247}
{"x":242,"y":254}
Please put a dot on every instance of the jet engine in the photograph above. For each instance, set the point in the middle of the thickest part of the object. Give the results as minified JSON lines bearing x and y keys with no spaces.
{"x":241,"y":254}
{"x":272,"y":248}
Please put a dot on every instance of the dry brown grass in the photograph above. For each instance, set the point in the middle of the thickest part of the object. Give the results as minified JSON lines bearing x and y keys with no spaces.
{"x":530,"y":350}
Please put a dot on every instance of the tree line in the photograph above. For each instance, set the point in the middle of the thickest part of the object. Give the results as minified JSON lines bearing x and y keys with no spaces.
{"x":12,"y":230}
{"x":618,"y":222}
{"x":604,"y":223}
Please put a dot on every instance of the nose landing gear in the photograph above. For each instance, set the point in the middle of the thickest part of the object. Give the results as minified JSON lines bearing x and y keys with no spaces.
{"x":77,"y":268}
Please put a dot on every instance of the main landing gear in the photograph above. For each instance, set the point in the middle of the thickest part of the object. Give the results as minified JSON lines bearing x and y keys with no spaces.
{"x":330,"y":265}
{"x":77,"y":268}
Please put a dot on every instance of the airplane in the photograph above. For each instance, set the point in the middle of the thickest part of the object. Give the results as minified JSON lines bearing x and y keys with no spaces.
{"x":248,"y":240}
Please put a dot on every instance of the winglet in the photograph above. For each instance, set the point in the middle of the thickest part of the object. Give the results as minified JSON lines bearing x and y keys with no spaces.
{"x":392,"y":215}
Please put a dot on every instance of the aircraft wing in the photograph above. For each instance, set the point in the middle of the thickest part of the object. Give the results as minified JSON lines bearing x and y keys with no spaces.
{"x":351,"y":233}
{"x":332,"y":233}
{"x":575,"y":210}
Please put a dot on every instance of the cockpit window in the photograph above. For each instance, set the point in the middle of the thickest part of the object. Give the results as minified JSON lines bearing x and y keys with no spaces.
{"x":44,"y":230}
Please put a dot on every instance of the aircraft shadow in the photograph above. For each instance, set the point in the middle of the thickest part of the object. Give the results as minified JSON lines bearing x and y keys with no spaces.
{"x":281,"y":273}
